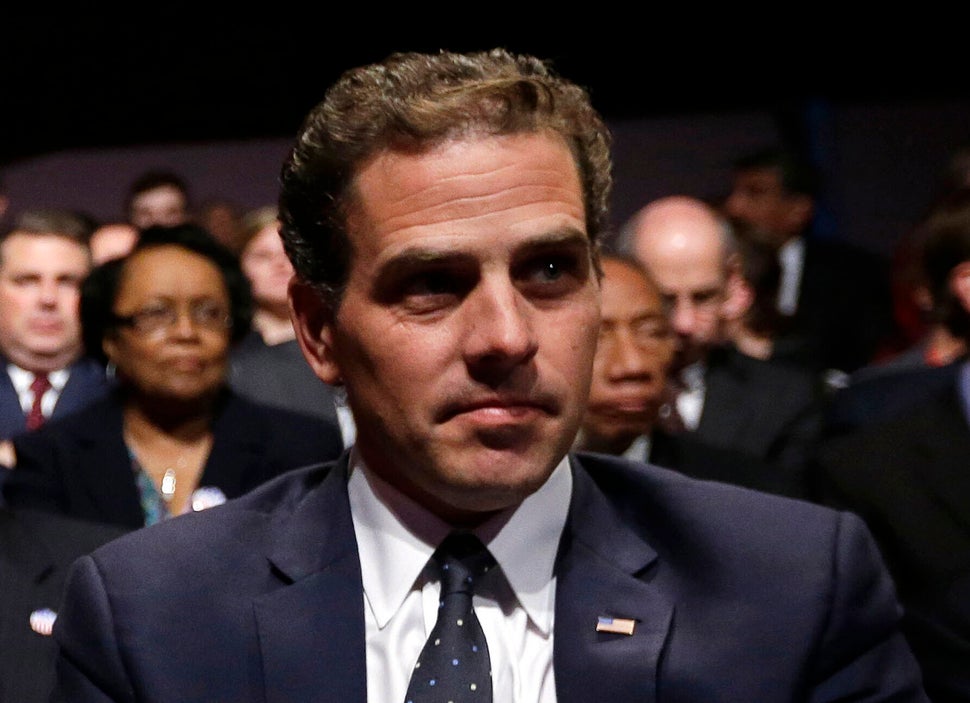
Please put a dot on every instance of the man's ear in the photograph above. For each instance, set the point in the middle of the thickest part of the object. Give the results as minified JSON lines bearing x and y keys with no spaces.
{"x":313,"y":322}
{"x":738,"y":293}
{"x":959,"y":282}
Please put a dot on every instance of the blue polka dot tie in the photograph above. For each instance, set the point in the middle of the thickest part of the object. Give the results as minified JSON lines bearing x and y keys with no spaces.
{"x":454,"y":664}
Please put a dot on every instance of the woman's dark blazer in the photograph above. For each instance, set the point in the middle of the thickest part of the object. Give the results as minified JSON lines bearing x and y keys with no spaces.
{"x":79,"y":465}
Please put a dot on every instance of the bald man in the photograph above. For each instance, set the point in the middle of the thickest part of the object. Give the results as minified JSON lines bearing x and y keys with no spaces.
{"x":765,"y":410}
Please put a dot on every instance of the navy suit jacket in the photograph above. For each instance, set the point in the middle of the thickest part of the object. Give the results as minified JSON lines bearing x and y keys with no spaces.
{"x":36,"y":550}
{"x":85,"y":384}
{"x":737,"y":596}
{"x":79,"y":465}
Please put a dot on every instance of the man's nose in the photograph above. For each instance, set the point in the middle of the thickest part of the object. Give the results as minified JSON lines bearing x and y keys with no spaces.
{"x":500,"y":327}
{"x":48,"y":293}
{"x":627,"y":358}
{"x":683,"y":318}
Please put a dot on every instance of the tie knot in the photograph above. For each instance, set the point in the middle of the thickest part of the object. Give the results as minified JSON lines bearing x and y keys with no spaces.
{"x":40,"y":384}
{"x":461,"y":560}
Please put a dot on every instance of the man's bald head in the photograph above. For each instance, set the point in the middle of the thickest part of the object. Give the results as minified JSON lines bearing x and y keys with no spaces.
{"x":689,"y":250}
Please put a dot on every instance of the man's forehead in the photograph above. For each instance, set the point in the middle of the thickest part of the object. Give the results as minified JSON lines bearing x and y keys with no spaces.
{"x":462,"y":185}
{"x":16,"y":250}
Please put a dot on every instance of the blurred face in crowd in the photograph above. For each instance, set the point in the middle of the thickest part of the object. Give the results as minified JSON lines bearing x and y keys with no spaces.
{"x":466,"y":332}
{"x":40,"y":278}
{"x":633,"y":356}
{"x":759,"y":198}
{"x":172,"y":341}
{"x":681,"y":243}
{"x":112,"y":241}
{"x":268,"y":269}
{"x":165,"y":206}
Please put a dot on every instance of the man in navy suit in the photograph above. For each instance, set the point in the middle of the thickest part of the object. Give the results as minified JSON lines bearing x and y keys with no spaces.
{"x":442,"y":213}
{"x":43,"y":261}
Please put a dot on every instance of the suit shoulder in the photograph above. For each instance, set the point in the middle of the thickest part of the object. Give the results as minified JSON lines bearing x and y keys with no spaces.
{"x":652,"y":495}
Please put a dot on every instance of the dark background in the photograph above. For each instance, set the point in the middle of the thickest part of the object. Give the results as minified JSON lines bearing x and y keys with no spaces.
{"x":88,"y":99}
{"x":170,"y":73}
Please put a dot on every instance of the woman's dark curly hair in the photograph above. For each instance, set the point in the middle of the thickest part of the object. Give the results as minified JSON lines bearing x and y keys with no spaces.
{"x":100,"y":289}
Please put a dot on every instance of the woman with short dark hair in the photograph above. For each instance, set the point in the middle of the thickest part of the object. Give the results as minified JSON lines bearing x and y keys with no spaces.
{"x":172,"y":437}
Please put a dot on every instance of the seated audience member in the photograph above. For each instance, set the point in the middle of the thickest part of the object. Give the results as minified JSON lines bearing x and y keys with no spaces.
{"x":112,"y":240}
{"x":634,"y":354}
{"x":43,"y":261}
{"x":884,"y":390}
{"x":36,"y":549}
{"x":729,"y":400}
{"x":172,"y":437}
{"x":268,"y":365}
{"x":157,"y":198}
{"x":835,"y":295}
{"x":221,"y":218}
{"x":908,"y":477}
{"x":443,"y":213}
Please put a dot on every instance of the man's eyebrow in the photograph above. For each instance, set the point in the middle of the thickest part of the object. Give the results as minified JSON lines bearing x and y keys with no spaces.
{"x":567,"y":237}
{"x":419,"y":258}
{"x":422,"y":257}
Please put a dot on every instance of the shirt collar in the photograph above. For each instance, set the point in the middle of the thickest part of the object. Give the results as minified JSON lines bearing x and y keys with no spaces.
{"x":396,"y":537}
{"x":21,"y":378}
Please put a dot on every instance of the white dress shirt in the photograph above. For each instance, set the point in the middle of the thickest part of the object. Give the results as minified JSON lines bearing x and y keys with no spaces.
{"x":791,"y":258}
{"x":690,"y":401}
{"x":515,"y":604}
{"x":21,"y":380}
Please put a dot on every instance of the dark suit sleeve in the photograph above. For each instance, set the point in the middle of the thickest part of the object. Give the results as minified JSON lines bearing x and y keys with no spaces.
{"x":89,"y":666}
{"x":862,"y":655}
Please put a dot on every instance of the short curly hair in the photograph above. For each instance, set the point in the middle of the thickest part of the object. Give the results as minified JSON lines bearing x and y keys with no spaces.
{"x":99,"y":292}
{"x":414,"y":102}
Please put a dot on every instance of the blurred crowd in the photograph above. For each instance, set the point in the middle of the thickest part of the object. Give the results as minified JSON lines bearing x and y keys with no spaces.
{"x":151,"y":369}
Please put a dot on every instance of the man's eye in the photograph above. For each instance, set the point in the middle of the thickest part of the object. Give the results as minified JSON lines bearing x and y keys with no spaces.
{"x":431,"y":283}
{"x":550,"y":274}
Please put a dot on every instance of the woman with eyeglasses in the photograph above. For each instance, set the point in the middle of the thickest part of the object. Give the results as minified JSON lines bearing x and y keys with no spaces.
{"x":172,"y":437}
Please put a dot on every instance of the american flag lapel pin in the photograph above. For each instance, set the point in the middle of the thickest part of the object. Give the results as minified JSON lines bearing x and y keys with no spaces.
{"x":42,"y":621}
{"x":618,"y":626}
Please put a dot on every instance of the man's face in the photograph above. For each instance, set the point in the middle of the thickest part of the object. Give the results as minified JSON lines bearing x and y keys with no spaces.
{"x":693,"y":278}
{"x":40,"y":276}
{"x":466,"y":332}
{"x":759,"y":198}
{"x":164,"y":206}
{"x":633,"y":356}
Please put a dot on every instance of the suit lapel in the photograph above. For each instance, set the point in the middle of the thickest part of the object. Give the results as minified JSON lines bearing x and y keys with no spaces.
{"x":311,"y":631}
{"x":85,"y":384}
{"x":725,"y":400}
{"x":104,"y":466}
{"x":598,"y":574}
{"x":237,"y":450}
{"x":12,"y":420}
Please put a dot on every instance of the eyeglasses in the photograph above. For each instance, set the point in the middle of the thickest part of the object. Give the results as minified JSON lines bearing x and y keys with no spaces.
{"x":153,"y":319}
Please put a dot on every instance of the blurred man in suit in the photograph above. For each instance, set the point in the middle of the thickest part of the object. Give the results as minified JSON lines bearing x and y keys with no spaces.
{"x":629,"y":396}
{"x":43,"y":261}
{"x":906,"y":473}
{"x":768,"y":410}
{"x":442,"y":213}
{"x":836,"y":296}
